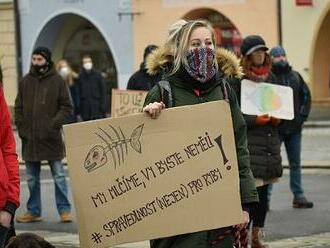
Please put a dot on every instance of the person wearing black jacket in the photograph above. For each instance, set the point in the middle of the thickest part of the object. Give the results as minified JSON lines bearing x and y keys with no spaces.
{"x":291,"y":130}
{"x":262,"y":133}
{"x":91,"y":92}
{"x":141,"y":80}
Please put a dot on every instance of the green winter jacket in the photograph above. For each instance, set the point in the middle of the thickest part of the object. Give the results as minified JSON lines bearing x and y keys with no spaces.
{"x":228,"y":67}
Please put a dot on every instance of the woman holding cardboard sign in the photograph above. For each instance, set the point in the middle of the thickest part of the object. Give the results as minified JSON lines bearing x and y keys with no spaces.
{"x":195,"y":71}
{"x":263,"y":138}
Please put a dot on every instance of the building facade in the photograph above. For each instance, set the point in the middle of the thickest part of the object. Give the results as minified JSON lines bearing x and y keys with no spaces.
{"x":232,"y":20}
{"x":8,"y":50}
{"x":72,"y":28}
{"x":116,"y":32}
{"x":306,"y":37}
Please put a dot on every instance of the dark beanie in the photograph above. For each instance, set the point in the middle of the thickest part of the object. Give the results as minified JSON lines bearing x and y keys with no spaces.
{"x":44,"y":52}
{"x":252,"y":43}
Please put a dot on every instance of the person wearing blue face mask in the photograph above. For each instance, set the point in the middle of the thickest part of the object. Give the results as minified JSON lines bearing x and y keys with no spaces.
{"x":291,"y":130}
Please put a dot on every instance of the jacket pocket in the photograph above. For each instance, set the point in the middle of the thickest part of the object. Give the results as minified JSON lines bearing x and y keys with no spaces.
{"x":24,"y":131}
{"x":46,"y":129}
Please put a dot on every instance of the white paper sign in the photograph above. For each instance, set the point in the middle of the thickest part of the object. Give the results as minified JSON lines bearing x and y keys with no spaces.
{"x":265,"y":98}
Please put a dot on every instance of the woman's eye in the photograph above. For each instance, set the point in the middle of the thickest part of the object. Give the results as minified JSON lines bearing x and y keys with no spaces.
{"x":208,"y":43}
{"x":195,"y":44}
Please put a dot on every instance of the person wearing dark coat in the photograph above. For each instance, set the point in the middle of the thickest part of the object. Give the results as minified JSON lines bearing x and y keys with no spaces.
{"x":42,"y":106}
{"x":91,"y":92}
{"x":197,"y":81}
{"x":291,"y":130}
{"x":141,"y":80}
{"x":262,"y":133}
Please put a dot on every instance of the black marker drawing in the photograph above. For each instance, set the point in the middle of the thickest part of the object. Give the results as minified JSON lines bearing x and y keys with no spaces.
{"x":218,"y":140}
{"x":97,"y":156}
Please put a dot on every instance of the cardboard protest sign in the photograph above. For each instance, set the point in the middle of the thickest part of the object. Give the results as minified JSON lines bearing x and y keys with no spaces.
{"x":125,"y":102}
{"x":135,"y":178}
{"x":266,"y":98}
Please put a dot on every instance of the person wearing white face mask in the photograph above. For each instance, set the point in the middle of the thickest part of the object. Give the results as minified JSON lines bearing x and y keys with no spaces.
{"x":70,"y":77}
{"x":92,"y":92}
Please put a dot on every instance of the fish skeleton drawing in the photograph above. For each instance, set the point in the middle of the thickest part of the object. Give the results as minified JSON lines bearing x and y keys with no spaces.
{"x":117,"y":145}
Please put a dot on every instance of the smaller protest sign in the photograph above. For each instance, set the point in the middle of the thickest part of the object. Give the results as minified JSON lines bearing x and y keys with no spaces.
{"x":265,"y":98}
{"x":125,"y":102}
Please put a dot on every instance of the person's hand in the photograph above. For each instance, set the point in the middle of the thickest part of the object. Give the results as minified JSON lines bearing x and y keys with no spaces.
{"x":154,"y":109}
{"x":246,"y":220}
{"x":262,"y":119}
{"x":5,"y":218}
{"x":275,"y":121}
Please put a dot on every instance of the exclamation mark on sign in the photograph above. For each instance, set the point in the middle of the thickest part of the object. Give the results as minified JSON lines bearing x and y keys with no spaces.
{"x":218,"y":140}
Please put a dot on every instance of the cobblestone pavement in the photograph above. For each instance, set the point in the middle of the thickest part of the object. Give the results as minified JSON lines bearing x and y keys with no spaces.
{"x":315,"y":148}
{"x":315,"y":153}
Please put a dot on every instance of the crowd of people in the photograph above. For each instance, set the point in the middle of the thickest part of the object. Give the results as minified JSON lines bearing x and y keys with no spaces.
{"x":193,"y":71}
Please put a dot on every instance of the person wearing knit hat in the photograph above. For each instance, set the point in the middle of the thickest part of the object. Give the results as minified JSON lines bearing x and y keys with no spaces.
{"x":262,"y":132}
{"x":44,"y":52}
{"x":42,"y":60}
{"x":253,"y":43}
{"x":291,"y":130}
{"x":42,"y":106}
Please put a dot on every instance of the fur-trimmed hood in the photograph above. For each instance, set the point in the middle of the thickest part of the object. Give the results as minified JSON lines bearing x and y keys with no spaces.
{"x":161,"y":59}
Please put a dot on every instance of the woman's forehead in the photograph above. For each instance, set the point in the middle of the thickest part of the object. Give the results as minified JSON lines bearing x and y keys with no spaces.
{"x":200,"y":32}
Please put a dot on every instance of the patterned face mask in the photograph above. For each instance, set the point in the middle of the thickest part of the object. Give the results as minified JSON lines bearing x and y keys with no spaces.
{"x":200,"y":63}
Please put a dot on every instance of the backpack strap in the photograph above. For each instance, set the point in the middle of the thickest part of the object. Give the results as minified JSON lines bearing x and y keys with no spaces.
{"x":166,"y":93}
{"x":225,"y":87}
{"x":167,"y":97}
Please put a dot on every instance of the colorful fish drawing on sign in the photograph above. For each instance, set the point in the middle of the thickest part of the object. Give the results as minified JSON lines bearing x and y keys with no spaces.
{"x":115,"y":144}
{"x":266,"y":99}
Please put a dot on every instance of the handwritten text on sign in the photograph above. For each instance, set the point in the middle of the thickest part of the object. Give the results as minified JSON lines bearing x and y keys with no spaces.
{"x":125,"y":102}
{"x":132,"y":177}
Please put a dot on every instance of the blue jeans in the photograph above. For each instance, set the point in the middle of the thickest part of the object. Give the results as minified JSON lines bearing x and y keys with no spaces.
{"x":61,"y":188}
{"x":292,"y":143}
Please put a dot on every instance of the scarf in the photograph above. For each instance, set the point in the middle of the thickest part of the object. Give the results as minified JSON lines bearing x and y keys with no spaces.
{"x":201,"y":64}
{"x":258,"y":74}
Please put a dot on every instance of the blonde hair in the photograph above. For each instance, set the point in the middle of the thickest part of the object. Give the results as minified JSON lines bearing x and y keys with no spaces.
{"x":174,"y":30}
{"x":178,"y":40}
{"x":71,"y":76}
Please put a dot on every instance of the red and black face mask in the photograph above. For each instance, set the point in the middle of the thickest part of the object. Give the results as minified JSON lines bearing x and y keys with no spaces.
{"x":201,"y":64}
